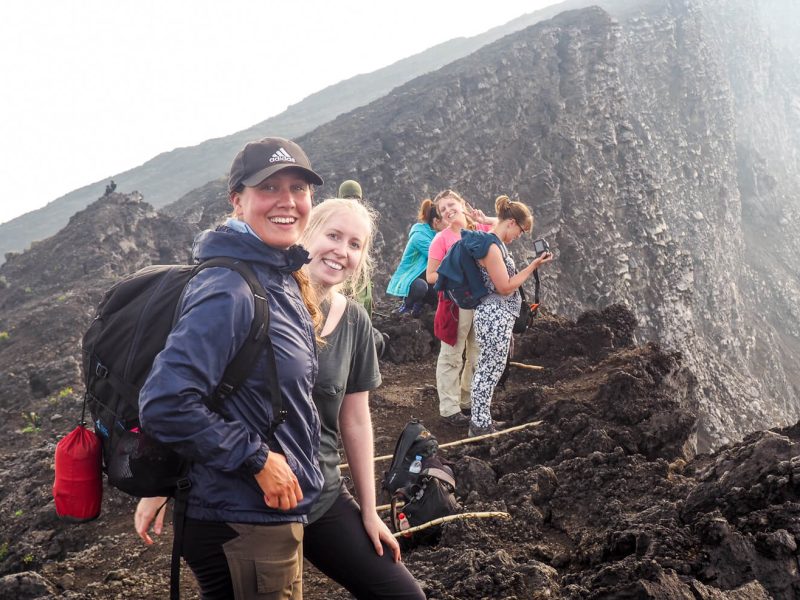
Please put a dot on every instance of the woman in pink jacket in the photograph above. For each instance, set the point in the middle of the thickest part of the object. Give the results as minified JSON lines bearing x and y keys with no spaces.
{"x":453,"y":326}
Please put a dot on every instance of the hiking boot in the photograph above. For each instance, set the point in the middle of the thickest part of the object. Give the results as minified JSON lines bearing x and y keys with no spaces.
{"x":475,"y":430}
{"x":456,"y":419}
{"x":416,"y":310}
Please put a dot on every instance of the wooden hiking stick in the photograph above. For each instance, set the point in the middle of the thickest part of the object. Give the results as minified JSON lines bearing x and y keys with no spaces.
{"x":520,"y":365}
{"x":448,"y":518}
{"x":477,"y":438}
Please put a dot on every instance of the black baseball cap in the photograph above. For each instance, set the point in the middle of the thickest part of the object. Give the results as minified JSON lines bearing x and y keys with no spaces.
{"x":259,"y":160}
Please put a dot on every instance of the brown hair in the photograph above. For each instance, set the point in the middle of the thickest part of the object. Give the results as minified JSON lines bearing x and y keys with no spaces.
{"x":309,"y":297}
{"x":511,"y":209}
{"x":427,"y":212}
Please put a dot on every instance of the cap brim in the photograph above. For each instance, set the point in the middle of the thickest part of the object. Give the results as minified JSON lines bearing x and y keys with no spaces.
{"x":261,"y":175}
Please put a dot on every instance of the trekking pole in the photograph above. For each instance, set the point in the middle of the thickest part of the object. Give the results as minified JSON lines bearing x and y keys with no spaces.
{"x":520,"y":365}
{"x":448,"y":518}
{"x":477,"y":438}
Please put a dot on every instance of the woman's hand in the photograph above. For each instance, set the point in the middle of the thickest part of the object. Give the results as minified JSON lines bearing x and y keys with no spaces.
{"x":479,"y":216}
{"x":279,"y":483}
{"x":476,"y":214}
{"x":542,"y":259}
{"x":378,"y":532}
{"x":146,"y":510}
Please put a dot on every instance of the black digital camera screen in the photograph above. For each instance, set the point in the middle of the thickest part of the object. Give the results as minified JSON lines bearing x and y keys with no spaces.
{"x":540,"y":246}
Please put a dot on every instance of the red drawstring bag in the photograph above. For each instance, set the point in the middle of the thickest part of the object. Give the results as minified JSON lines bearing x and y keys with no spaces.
{"x":78,"y":487}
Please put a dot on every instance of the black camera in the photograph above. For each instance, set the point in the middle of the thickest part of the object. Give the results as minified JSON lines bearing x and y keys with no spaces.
{"x":540,"y":246}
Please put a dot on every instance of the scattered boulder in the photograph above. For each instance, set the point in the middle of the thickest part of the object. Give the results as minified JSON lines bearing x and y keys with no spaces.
{"x":27,"y":585}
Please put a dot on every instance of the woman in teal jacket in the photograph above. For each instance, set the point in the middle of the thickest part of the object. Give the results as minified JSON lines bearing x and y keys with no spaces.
{"x":408,"y":280}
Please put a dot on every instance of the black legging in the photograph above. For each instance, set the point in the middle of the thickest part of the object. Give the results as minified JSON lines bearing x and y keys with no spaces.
{"x":337,"y":545}
{"x":420,"y":292}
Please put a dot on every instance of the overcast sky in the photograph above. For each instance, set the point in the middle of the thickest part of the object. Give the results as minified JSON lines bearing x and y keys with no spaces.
{"x":95,"y":87}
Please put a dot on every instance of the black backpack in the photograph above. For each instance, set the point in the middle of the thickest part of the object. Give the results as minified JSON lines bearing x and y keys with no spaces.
{"x":418,"y":498}
{"x":131,"y":327}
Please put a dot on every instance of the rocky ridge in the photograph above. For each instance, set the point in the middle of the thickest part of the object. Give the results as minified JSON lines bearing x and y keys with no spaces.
{"x":606,"y":495}
{"x":635,"y":140}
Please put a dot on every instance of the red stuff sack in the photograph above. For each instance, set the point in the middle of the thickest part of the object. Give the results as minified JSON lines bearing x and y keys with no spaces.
{"x":78,"y":487}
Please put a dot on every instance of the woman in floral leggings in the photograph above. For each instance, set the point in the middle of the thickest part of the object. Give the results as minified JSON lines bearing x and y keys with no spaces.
{"x":495,"y":315}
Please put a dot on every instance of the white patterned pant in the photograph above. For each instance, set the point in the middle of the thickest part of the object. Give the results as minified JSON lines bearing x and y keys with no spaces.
{"x":493,"y":327}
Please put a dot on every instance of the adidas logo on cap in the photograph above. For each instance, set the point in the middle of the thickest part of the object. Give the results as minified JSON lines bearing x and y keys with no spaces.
{"x":281,"y":155}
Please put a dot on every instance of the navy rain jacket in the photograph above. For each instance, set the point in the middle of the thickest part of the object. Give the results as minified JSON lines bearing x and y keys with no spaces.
{"x":214,"y":320}
{"x":459,"y":266}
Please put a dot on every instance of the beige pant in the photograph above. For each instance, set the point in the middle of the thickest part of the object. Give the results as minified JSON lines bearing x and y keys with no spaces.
{"x":453,"y":373}
{"x":266,"y":562}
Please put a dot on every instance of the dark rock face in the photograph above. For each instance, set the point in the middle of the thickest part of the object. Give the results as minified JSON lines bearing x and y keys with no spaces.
{"x":51,"y":291}
{"x":410,"y":340}
{"x":637,"y":142}
{"x":633,"y":139}
{"x":26,"y":585}
{"x":599,"y":511}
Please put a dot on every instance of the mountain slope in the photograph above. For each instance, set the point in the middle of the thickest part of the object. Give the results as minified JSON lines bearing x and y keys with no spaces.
{"x":170,"y":175}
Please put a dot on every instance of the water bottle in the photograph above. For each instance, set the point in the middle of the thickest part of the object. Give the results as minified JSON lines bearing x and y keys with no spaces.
{"x":404,"y":524}
{"x":416,"y":466}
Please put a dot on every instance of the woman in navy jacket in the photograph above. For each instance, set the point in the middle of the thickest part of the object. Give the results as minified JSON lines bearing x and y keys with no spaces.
{"x":250,"y":491}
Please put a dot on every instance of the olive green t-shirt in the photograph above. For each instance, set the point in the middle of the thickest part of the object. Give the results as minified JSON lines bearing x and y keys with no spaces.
{"x":348,"y":364}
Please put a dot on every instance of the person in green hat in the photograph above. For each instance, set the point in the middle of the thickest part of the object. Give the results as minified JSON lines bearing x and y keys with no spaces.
{"x":350,"y":189}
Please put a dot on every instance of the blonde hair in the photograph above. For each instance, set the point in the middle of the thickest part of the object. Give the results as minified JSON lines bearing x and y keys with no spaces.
{"x":359,"y":279}
{"x":511,"y":209}
{"x":448,"y":193}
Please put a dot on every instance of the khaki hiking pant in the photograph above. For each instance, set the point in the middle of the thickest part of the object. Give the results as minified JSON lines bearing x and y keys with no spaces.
{"x":266,"y":563}
{"x":453,"y":371}
{"x":245,"y":562}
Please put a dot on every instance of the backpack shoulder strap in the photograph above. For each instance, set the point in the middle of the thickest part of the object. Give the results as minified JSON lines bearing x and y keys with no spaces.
{"x":257,"y":339}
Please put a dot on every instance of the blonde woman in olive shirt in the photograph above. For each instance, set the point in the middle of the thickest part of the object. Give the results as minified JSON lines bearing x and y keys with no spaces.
{"x":348,"y":542}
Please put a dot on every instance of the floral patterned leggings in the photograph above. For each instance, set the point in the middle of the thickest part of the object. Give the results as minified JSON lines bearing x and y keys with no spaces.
{"x":493,"y":327}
